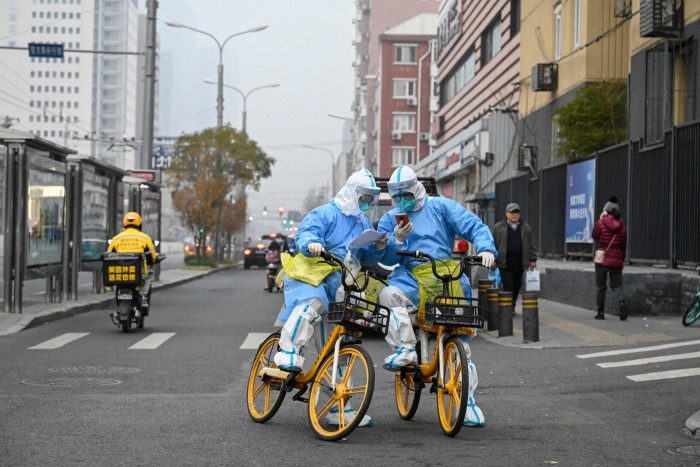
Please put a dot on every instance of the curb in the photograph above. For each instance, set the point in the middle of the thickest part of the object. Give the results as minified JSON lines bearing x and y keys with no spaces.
{"x":72,"y":308}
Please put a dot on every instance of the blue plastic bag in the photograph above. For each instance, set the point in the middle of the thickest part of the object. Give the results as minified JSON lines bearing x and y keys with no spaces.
{"x":495,"y":277}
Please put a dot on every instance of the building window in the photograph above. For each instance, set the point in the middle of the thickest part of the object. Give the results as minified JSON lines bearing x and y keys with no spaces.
{"x":577,"y":23}
{"x":670,"y":88}
{"x":404,"y":88}
{"x":557,"y":32}
{"x":490,"y":42}
{"x":402,"y":156}
{"x":514,"y":18}
{"x":404,"y":123}
{"x":404,"y":53}
{"x":459,"y":77}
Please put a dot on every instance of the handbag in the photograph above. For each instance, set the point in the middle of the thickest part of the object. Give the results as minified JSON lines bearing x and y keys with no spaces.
{"x":599,"y":256}
{"x":532,"y":281}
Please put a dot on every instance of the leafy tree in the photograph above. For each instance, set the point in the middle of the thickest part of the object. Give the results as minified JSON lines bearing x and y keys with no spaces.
{"x":595,"y":119}
{"x":208,"y":169}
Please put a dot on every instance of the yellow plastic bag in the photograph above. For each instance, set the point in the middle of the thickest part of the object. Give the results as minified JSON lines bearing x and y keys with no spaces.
{"x":430,"y":286}
{"x":305,"y":269}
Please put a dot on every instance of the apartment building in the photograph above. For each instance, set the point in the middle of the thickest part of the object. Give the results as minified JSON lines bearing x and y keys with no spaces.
{"x":404,"y":89}
{"x":86,"y":100}
{"x":373,"y":18}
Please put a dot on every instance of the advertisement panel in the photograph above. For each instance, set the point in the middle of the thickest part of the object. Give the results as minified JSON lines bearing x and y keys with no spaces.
{"x":580,"y":189}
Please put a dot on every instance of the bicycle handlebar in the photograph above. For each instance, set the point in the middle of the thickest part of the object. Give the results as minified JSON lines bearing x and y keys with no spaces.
{"x":333,"y":260}
{"x":466,"y":260}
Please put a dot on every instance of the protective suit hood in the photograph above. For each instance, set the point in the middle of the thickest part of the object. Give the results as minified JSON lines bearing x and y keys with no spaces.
{"x":404,"y":180}
{"x":360,"y":183}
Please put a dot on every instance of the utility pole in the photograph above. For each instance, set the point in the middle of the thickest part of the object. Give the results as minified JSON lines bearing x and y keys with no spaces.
{"x":149,"y":91}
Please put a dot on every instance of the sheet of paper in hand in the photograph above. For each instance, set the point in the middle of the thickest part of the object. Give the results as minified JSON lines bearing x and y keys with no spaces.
{"x":367,"y":237}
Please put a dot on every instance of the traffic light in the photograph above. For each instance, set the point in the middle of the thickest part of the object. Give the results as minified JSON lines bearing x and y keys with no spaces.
{"x":281,"y":210}
{"x":265,"y":211}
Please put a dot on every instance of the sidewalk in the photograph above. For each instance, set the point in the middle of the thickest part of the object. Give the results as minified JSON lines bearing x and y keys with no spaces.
{"x":38,"y":313}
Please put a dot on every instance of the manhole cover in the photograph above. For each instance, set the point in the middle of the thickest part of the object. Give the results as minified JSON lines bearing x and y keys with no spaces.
{"x":95,"y":370}
{"x":72,"y":382}
{"x":687,"y":450}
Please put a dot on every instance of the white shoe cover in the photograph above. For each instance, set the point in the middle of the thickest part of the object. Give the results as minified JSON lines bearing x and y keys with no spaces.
{"x":332,"y":417}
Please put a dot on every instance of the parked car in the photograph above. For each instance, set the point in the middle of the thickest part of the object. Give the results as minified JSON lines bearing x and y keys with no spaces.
{"x":254,"y":255}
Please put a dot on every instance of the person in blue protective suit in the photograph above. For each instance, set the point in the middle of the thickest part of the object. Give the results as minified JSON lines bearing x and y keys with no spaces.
{"x":331,"y":228}
{"x":433,"y":224}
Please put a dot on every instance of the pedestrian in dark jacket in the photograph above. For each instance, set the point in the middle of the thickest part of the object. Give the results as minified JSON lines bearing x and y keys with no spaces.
{"x":611,"y":234}
{"x":516,"y":250}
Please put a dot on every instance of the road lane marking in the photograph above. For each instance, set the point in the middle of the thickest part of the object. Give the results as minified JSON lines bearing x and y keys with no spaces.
{"x":59,"y":341}
{"x":665,"y":375}
{"x":645,"y":361}
{"x":638,"y":349}
{"x":253,"y":340}
{"x":153,"y":341}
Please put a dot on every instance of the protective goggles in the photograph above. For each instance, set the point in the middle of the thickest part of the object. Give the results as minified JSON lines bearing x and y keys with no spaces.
{"x":404,"y":195}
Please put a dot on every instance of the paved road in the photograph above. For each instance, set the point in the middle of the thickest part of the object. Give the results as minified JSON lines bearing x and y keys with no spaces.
{"x":77,"y":391}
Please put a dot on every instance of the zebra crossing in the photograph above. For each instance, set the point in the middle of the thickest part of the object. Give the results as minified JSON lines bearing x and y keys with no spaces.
{"x":150,"y":342}
{"x":660,"y":358}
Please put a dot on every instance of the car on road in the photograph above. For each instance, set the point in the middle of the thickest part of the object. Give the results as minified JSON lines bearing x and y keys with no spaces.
{"x":254,"y":255}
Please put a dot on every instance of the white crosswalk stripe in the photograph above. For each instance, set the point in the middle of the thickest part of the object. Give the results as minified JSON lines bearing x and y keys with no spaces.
{"x":153,"y":341}
{"x":253,"y":340}
{"x":59,"y":341}
{"x":653,"y":376}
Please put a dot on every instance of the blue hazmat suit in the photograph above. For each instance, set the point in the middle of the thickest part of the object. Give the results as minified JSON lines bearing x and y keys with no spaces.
{"x":436,"y":221}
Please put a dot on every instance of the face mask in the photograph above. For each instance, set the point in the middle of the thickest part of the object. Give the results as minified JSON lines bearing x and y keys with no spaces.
{"x":406,"y":204}
{"x":363,"y":206}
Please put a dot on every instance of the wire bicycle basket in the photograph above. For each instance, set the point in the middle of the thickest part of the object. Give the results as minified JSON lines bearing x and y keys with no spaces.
{"x":361,"y":315}
{"x":454,"y":312}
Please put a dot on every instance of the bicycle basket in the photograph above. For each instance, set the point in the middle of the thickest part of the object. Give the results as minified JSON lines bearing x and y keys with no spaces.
{"x":122,"y":269}
{"x":360,"y":315}
{"x":454,"y":312}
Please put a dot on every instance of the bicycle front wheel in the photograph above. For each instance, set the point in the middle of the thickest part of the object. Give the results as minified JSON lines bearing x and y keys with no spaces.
{"x":453,"y":395}
{"x":335,"y":413}
{"x":692,"y":313}
{"x":408,"y":386}
{"x":264,"y":396}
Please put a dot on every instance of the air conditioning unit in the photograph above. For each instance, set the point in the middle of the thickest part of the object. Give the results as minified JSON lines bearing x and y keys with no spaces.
{"x":623,"y":8}
{"x":396,"y":135}
{"x":660,"y":18}
{"x":544,"y":77}
{"x":424,"y":136}
{"x":526,"y":157}
{"x":412,"y":101}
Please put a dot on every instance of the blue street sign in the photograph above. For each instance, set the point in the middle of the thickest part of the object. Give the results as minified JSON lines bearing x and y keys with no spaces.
{"x":37,"y":49}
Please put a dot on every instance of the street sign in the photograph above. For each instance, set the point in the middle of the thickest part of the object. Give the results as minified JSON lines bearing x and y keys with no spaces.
{"x":37,"y":49}
{"x":148,"y":175}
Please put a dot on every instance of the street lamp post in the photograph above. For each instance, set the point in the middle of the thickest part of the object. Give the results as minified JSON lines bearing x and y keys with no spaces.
{"x":332,"y":164}
{"x":220,"y":75}
{"x":244,"y":96}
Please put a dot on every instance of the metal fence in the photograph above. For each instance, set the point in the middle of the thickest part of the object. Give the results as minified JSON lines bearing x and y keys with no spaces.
{"x":658,"y":189}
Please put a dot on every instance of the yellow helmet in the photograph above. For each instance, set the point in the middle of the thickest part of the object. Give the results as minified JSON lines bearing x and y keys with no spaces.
{"x":132,"y":219}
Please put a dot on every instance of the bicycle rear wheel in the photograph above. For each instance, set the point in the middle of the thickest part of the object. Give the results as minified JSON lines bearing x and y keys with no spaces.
{"x":354,"y":386}
{"x":692,"y":313}
{"x":453,"y":396}
{"x":408,"y":390}
{"x":264,"y":396}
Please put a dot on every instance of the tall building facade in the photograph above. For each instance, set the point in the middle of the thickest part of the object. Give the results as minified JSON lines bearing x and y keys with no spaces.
{"x":86,"y":100}
{"x":404,"y":89}
{"x":373,"y":18}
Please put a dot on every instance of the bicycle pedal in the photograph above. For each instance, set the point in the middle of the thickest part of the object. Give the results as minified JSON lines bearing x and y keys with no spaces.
{"x":434,"y":386}
{"x":275,"y":373}
{"x":297,"y":396}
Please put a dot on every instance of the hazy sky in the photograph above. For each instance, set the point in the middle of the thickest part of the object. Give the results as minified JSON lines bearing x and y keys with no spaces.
{"x":307,"y":48}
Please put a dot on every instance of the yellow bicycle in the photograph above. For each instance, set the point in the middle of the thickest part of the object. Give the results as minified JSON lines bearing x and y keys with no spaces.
{"x":447,"y":370}
{"x":342,"y":372}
